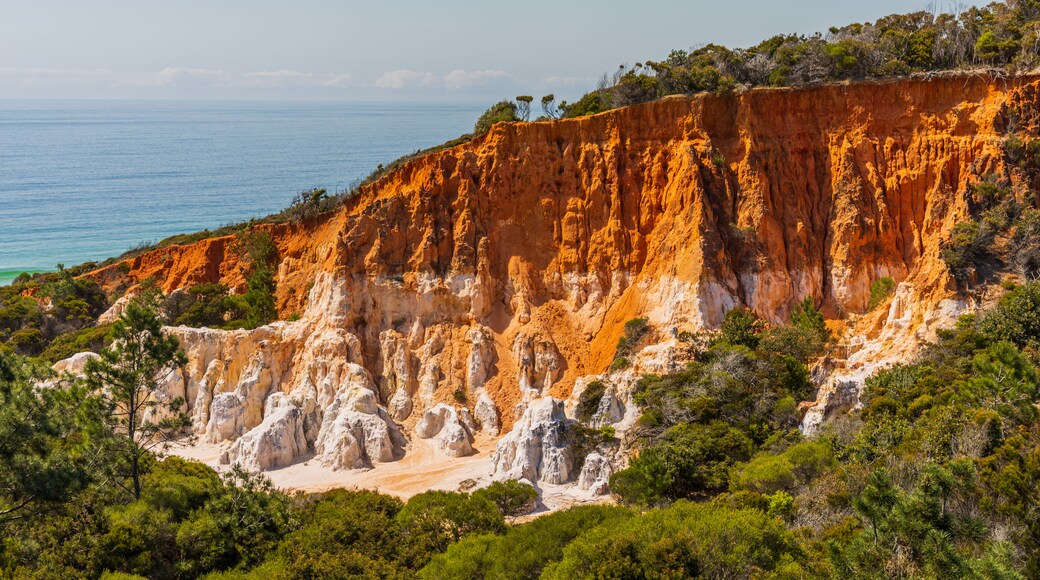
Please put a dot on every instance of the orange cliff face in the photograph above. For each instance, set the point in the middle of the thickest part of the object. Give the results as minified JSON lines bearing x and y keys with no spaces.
{"x":509,"y":265}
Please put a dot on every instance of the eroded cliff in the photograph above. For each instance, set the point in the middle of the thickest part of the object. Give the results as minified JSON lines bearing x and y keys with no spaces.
{"x":451,"y":295}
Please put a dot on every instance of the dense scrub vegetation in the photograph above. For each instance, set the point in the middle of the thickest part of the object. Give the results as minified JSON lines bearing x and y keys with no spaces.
{"x":936,"y":476}
{"x":1003,"y":36}
{"x":50,"y":315}
{"x":737,"y":397}
{"x":1005,"y":237}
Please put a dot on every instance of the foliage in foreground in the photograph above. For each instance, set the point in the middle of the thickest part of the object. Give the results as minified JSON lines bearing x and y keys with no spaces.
{"x":937,"y":476}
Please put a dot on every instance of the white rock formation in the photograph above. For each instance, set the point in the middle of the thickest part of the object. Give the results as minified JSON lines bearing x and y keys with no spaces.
{"x":539,"y":364}
{"x":595,"y":474}
{"x":276,"y":442}
{"x":536,"y":449}
{"x":75,"y":365}
{"x":486,"y":414}
{"x":356,"y":433}
{"x":442,"y":424}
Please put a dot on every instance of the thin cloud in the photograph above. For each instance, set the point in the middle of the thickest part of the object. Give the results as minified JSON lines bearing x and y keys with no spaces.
{"x":456,"y":80}
{"x":169,"y":77}
{"x":462,"y":79}
{"x":280,"y":74}
{"x":400,"y":79}
{"x":179,"y":75}
{"x":295,"y":78}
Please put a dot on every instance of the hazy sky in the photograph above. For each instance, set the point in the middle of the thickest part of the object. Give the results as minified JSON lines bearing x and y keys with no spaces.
{"x":460,"y":50}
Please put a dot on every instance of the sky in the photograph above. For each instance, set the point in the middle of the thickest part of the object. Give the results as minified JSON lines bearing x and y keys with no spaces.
{"x":400,"y":50}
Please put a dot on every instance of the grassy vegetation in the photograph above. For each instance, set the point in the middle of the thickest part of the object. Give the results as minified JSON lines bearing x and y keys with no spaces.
{"x":880,"y":290}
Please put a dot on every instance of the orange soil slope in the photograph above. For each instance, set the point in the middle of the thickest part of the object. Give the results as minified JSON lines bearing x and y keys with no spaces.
{"x":676,"y":210}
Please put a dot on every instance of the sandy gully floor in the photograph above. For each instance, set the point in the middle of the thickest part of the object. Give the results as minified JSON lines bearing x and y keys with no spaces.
{"x":423,"y":468}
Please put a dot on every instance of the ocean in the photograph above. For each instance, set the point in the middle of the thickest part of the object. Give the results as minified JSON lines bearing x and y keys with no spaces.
{"x":87,"y":180}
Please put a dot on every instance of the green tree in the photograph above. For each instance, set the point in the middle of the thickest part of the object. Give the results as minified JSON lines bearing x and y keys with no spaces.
{"x":343,"y":534}
{"x":589,"y":400}
{"x":686,"y":540}
{"x":876,"y":501}
{"x":500,"y":112}
{"x":880,"y":289}
{"x":259,"y":251}
{"x":689,"y":460}
{"x":549,"y":106}
{"x":525,"y":550}
{"x":511,"y":497}
{"x":523,"y":107}
{"x":741,"y":327}
{"x":432,"y":520}
{"x":47,"y":439}
{"x":129,"y":376}
{"x":807,"y":318}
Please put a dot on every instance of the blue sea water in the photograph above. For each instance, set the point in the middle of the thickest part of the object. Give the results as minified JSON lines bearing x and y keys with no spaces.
{"x":87,"y":180}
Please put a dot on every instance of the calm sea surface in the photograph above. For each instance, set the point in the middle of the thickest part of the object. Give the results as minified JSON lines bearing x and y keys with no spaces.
{"x":86,"y":180}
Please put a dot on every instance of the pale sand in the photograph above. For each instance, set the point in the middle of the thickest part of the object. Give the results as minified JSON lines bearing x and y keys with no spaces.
{"x":423,"y":468}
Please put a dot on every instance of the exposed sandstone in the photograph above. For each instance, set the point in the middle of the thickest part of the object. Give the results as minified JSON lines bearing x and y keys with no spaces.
{"x":276,"y":442}
{"x":76,"y":364}
{"x":501,"y":272}
{"x":442,"y":423}
{"x":537,"y":448}
{"x":595,"y":474}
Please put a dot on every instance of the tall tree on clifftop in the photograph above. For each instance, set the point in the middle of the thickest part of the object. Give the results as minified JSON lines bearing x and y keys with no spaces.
{"x":128,"y":376}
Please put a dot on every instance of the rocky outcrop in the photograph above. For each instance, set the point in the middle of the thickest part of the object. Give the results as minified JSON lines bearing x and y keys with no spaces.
{"x":442,"y":424}
{"x":493,"y":276}
{"x":276,"y":442}
{"x":537,"y":448}
{"x":75,"y":365}
{"x":595,"y":474}
{"x":356,"y":433}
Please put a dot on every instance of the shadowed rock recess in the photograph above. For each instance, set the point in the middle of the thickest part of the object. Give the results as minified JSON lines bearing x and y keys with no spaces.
{"x":480,"y":288}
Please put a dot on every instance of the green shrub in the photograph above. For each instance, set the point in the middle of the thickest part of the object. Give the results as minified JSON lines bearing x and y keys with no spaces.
{"x":880,"y":290}
{"x":769,"y":473}
{"x":27,"y":341}
{"x":589,"y":399}
{"x":209,"y":305}
{"x":689,"y":460}
{"x":91,"y":339}
{"x":741,"y":327}
{"x":500,"y":112}
{"x":524,"y":551}
{"x":511,"y":497}
{"x":433,"y":520}
{"x":589,"y":104}
{"x":1015,"y":318}
{"x":258,"y":249}
{"x":964,"y":246}
{"x":343,"y":534}
{"x":781,"y":505}
{"x":620,"y":363}
{"x":686,"y":540}
{"x":309,"y":204}
{"x":635,"y":331}
{"x":718,"y":159}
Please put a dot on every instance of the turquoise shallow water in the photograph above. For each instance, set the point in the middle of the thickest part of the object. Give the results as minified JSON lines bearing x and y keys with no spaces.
{"x":83,"y":180}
